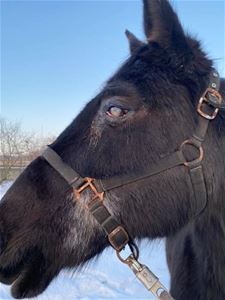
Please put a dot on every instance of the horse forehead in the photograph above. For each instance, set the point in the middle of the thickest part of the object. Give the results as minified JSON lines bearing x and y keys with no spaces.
{"x":120,"y":87}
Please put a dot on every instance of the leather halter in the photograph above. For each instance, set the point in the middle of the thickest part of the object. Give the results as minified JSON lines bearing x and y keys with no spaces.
{"x":208,"y":107}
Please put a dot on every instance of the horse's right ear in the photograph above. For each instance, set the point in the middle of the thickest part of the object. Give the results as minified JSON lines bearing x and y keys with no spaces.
{"x":162,"y":25}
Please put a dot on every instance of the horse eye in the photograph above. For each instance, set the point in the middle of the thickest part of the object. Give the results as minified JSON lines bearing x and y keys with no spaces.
{"x":116,"y":112}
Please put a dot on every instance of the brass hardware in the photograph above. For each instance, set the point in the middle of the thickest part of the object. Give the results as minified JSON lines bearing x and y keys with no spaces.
{"x":114,"y":233}
{"x":88,"y":183}
{"x":204,"y":99}
{"x":197,"y":160}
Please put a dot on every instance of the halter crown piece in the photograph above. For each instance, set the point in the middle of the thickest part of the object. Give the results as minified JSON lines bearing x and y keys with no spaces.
{"x":208,"y":107}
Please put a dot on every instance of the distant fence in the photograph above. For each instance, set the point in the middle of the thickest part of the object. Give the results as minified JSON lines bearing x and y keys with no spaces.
{"x":14,"y":172}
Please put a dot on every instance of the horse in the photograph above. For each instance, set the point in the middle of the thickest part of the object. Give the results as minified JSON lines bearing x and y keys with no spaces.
{"x":146,"y":112}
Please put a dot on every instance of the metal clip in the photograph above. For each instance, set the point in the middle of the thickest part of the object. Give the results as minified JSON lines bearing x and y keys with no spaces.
{"x":148,"y":279}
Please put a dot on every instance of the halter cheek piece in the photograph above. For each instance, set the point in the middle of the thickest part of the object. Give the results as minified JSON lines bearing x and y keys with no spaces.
{"x":208,"y":107}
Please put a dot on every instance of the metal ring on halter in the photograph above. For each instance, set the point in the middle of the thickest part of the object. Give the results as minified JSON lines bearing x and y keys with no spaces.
{"x":198,"y":159}
{"x":134,"y":252}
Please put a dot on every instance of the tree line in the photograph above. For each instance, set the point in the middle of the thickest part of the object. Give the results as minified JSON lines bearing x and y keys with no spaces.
{"x":18,"y":148}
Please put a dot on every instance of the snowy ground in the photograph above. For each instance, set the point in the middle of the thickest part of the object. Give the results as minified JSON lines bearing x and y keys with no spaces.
{"x":105,"y":278}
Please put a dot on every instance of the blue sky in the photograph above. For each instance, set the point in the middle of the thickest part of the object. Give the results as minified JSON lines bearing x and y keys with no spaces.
{"x":57,"y":54}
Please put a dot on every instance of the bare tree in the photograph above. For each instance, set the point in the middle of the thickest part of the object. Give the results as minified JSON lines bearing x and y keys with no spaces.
{"x":17,"y":147}
{"x":38,"y":145}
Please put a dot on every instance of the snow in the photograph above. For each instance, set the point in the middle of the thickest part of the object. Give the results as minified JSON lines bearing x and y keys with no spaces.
{"x":4,"y":187}
{"x":104,"y":278}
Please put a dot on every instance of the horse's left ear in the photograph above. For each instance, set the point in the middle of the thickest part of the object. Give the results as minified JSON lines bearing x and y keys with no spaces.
{"x":134,"y":42}
{"x":162,"y":25}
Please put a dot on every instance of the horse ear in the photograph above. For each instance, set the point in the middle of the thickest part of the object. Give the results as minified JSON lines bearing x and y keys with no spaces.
{"x":134,"y":42}
{"x":162,"y":25}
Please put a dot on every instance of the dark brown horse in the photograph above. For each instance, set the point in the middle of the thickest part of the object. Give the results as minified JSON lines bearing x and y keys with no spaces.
{"x":144,"y":112}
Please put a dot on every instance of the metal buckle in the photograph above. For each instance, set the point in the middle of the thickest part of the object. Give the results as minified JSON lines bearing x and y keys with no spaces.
{"x":196,"y":161}
{"x":88,"y":183}
{"x":204,"y":99}
{"x":114,"y":233}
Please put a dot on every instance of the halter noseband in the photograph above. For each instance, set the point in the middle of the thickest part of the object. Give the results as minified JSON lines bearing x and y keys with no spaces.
{"x":208,"y":107}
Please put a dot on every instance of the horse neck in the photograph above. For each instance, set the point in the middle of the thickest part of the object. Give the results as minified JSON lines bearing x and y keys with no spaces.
{"x":211,"y":246}
{"x":209,"y":227}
